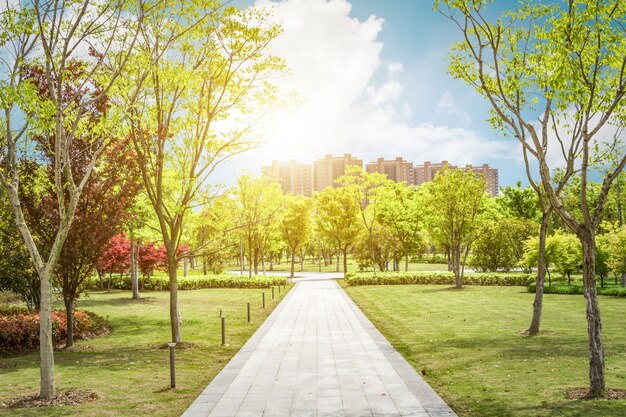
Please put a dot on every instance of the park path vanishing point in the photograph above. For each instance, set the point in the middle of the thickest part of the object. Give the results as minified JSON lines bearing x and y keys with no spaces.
{"x":318,"y":355}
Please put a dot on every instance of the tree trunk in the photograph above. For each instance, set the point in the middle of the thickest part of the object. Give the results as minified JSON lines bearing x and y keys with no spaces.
{"x":594,"y":323}
{"x":293,"y":261}
{"x":338,"y":259}
{"x":172,"y":266}
{"x":256,"y":261}
{"x":69,"y":311}
{"x":623,"y":279}
{"x":541,"y":277}
{"x":185,"y":266}
{"x":204,"y":270}
{"x":569,"y":279}
{"x":134,"y":267}
{"x":406,"y":260}
{"x":46,"y":348}
{"x":345,"y":261}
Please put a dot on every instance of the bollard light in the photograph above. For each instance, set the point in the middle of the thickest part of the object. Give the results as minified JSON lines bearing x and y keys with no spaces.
{"x":263,"y":299}
{"x":171,"y":345}
{"x":248,"y":312}
{"x":272,"y":292}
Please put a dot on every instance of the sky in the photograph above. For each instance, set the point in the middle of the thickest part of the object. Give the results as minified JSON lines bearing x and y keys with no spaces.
{"x":371,"y":80}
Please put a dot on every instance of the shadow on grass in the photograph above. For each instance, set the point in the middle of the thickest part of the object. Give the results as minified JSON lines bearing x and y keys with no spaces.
{"x":123,"y":300}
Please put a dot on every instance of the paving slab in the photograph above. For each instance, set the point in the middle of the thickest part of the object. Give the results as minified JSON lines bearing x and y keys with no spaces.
{"x":318,"y":355}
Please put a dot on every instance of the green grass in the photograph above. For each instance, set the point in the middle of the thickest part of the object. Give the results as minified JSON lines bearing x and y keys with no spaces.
{"x":312,"y":266}
{"x":127,"y":368}
{"x":468,"y":344}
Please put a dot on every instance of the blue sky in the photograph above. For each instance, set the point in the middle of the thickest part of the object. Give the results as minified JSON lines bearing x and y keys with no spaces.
{"x":372,"y":79}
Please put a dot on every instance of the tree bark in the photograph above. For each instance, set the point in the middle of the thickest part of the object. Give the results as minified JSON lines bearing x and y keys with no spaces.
{"x":134,"y":267}
{"x":172,"y":266}
{"x":293,"y":261}
{"x":69,"y":311}
{"x":623,"y":279}
{"x":406,"y":260}
{"x":594,"y":323}
{"x":345,"y":261}
{"x":541,"y":276}
{"x":46,"y":348}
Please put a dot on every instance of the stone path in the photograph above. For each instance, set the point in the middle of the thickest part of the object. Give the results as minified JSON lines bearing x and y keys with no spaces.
{"x":318,"y":355}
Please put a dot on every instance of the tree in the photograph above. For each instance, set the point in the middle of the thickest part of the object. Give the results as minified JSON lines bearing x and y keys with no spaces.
{"x":364,"y":188}
{"x":564,"y":62}
{"x":296,"y":225}
{"x":567,"y":256}
{"x":401,"y":210}
{"x":453,"y":200}
{"x":500,"y":243}
{"x":114,"y":258}
{"x":338,"y":219}
{"x":518,"y":202}
{"x":201,"y":74}
{"x":613,"y":243}
{"x":54,"y":35}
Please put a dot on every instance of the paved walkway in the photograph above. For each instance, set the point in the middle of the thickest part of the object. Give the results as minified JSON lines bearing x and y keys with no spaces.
{"x":318,"y":355}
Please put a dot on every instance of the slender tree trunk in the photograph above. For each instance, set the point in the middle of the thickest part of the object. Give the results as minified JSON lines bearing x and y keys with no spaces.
{"x":594,"y":323}
{"x":293,"y":261}
{"x":69,"y":311}
{"x":406,"y":259}
{"x":624,"y":279}
{"x":256,"y":261}
{"x":46,"y":348}
{"x":345,"y":261}
{"x":172,"y":267}
{"x":541,"y":276}
{"x":249,"y":258}
{"x":338,"y":259}
{"x":204,"y":270}
{"x":134,"y":269}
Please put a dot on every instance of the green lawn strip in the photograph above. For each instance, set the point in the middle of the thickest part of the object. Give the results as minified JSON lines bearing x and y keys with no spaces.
{"x":312,"y":266}
{"x":128,"y":368}
{"x":469,"y":346}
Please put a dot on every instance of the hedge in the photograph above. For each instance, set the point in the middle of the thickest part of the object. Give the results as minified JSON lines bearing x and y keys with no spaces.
{"x":161,"y":283}
{"x":438,"y":278}
{"x":19,"y":331}
{"x":578,"y":289}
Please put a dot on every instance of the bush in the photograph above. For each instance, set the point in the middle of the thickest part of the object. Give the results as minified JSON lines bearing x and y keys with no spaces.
{"x":430,"y":258}
{"x":437,"y":278}
{"x":161,"y":283}
{"x":19,"y":331}
{"x":578,"y":289}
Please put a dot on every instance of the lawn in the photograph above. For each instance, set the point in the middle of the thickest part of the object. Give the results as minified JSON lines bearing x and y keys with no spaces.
{"x":128,"y":368}
{"x":312,"y":266}
{"x":468,"y":344}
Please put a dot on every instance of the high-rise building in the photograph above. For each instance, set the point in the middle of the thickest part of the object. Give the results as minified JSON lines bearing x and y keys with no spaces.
{"x":327,"y":170}
{"x":427,"y":172}
{"x":397,"y":170}
{"x":490,"y":175}
{"x":295,"y":178}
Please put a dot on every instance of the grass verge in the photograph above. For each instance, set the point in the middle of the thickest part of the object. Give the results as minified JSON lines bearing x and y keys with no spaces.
{"x":468,"y":344}
{"x":128,"y":368}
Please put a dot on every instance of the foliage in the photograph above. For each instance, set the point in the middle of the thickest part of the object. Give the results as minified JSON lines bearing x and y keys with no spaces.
{"x":500,"y":244}
{"x":19,"y":330}
{"x":438,"y":278}
{"x":161,"y":283}
{"x":579,"y":289}
{"x":519,"y":202}
{"x":296,"y":224}
{"x":454,"y":200}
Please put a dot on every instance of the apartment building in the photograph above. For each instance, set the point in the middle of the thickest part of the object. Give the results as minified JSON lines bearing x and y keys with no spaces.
{"x":327,"y":170}
{"x":295,"y":178}
{"x":397,"y":170}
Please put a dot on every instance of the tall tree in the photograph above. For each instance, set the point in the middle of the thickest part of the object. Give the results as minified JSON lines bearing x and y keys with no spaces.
{"x":453,"y":200}
{"x":338,"y":215}
{"x":56,"y":34}
{"x":400,"y":209}
{"x":296,"y":225}
{"x":564,"y":61}
{"x":200,"y":78}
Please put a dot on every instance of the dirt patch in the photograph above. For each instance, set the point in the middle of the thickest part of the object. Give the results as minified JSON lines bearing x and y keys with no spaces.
{"x":541,"y":333}
{"x":583,"y":394}
{"x":182,"y":345}
{"x":64,"y":398}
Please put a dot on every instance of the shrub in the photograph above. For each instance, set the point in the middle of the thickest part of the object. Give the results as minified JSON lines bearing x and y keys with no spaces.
{"x":578,"y":289}
{"x":161,"y":283}
{"x":19,"y":331}
{"x":438,"y":278}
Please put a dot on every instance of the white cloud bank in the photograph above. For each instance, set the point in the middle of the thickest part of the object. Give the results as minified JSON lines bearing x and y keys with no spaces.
{"x":333,"y":59}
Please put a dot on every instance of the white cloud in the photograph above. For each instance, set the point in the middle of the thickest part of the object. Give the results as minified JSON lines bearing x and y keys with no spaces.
{"x":333,"y":60}
{"x":447,"y":104}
